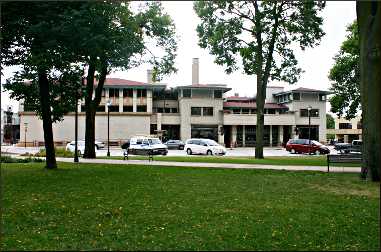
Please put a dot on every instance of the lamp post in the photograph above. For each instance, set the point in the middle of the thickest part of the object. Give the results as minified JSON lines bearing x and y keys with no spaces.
{"x":76,"y":123}
{"x":309,"y":129}
{"x":25,"y":130}
{"x":108,"y":127}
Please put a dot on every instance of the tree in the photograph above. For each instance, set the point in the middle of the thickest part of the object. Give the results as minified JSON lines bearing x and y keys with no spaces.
{"x":263,"y":35}
{"x":31,"y":38}
{"x":345,"y":75}
{"x":110,"y":36}
{"x":368,"y":17}
{"x":330,"y":122}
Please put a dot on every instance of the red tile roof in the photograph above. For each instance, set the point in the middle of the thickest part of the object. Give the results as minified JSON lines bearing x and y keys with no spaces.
{"x":251,"y":105}
{"x":240,"y":98}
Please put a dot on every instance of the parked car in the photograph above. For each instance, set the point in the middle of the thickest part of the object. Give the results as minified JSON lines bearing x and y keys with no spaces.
{"x":204,"y":146}
{"x":98,"y":144}
{"x":303,"y":146}
{"x":355,"y":146}
{"x":80,"y":146}
{"x":142,"y":145}
{"x":175,"y":144}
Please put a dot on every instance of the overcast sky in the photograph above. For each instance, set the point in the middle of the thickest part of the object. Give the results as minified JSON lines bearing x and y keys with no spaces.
{"x":316,"y":62}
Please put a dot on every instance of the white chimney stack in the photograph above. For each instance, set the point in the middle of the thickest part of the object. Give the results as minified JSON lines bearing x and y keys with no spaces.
{"x":195,"y":72}
{"x":149,"y":76}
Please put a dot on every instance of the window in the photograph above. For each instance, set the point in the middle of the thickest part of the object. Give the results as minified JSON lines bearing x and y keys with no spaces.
{"x":217,"y":93}
{"x":236,"y":111}
{"x":101,"y":109}
{"x":345,"y":126}
{"x":195,"y":111}
{"x":253,"y":111}
{"x":113,"y":93}
{"x":103,"y":93}
{"x":322,"y":97}
{"x":296,"y":96}
{"x":141,"y":108}
{"x":187,"y":93}
{"x":207,"y":111}
{"x":113,"y":108}
{"x":270,"y":111}
{"x":128,"y":109}
{"x":174,"y":110}
{"x":245,"y":111}
{"x":167,"y":110}
{"x":127,"y":92}
{"x":359,"y":125}
{"x":314,"y":113}
{"x":159,"y":110}
{"x":141,"y":93}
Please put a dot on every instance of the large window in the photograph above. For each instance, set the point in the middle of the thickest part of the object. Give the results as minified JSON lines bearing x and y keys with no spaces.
{"x":101,"y":109}
{"x":322,"y":97}
{"x":195,"y":111}
{"x":113,"y":93}
{"x":187,"y":93}
{"x":128,"y":92}
{"x":113,"y":108}
{"x":217,"y":93}
{"x":314,"y":113}
{"x":141,"y":93}
{"x":141,"y":108}
{"x":207,"y":111}
{"x":128,"y":109}
{"x":345,"y":126}
{"x":296,"y":96}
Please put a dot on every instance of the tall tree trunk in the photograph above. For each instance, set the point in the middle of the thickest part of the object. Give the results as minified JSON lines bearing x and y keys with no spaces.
{"x":43,"y":84}
{"x":260,"y":101}
{"x":90,"y":132}
{"x":368,"y":18}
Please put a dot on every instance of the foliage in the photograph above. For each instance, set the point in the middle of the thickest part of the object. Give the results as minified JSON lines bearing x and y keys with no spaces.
{"x":119,"y":207}
{"x":345,"y":76}
{"x":330,"y":124}
{"x":262,"y":34}
{"x":9,"y":159}
{"x":60,"y":152}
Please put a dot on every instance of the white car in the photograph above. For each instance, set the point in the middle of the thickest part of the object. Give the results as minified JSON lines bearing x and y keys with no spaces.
{"x":98,"y":144}
{"x":203,"y":146}
{"x":81,"y":146}
{"x":142,"y":145}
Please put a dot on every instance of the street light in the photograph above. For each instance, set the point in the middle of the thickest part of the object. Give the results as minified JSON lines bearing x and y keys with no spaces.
{"x":309,"y":129}
{"x":25,"y":130}
{"x":76,"y":122}
{"x":108,"y":127}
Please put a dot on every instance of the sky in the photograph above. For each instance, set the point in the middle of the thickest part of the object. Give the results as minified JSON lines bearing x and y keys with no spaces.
{"x":316,"y":61}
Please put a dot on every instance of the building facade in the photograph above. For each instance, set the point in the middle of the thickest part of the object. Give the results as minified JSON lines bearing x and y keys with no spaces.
{"x":346,"y":131}
{"x":197,"y":110}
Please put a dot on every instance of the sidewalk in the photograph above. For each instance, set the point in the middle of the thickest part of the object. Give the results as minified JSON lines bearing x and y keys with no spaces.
{"x":214,"y":165}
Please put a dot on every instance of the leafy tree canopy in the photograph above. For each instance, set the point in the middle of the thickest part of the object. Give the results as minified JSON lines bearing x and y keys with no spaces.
{"x":345,"y":76}
{"x":330,"y":121}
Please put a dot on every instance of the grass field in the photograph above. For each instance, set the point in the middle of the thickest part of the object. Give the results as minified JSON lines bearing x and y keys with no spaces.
{"x":126,"y":207}
{"x":297,"y":160}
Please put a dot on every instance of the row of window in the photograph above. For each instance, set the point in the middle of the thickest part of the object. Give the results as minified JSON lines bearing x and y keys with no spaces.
{"x":313,"y":113}
{"x":202,"y":111}
{"x":115,"y":108}
{"x":296,"y":97}
{"x":127,"y":92}
{"x":187,"y":92}
{"x":254,"y":111}
{"x":165,"y":110}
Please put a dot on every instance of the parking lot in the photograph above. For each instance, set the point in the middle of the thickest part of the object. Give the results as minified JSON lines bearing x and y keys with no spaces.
{"x":116,"y":151}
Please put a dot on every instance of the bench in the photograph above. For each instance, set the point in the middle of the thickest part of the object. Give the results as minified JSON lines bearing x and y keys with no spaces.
{"x":344,"y":158}
{"x":125,"y":155}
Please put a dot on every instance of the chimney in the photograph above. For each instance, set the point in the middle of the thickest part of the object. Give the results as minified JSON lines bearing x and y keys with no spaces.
{"x":149,"y":76}
{"x":195,"y":66}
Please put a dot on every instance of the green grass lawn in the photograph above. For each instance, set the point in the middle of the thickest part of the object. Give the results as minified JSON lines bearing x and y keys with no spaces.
{"x":297,"y":160}
{"x":127,"y":207}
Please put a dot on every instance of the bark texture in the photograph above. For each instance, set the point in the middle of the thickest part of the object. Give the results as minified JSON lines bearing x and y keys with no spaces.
{"x":47,"y":119}
{"x":368,"y":18}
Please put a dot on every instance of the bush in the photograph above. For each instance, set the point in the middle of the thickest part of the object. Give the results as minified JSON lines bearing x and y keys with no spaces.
{"x":60,"y":152}
{"x":9,"y":159}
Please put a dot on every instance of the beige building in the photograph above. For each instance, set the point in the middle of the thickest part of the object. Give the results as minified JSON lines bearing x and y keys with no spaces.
{"x":197,"y":110}
{"x":346,"y":131}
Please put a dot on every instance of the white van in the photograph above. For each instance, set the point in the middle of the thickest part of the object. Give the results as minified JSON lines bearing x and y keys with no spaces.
{"x":203,"y":146}
{"x":143,"y":145}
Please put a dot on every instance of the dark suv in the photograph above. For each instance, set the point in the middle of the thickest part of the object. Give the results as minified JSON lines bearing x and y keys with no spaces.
{"x":302,"y":146}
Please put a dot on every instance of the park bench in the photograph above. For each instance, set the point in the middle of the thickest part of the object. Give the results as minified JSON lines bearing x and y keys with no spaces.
{"x":344,"y":158}
{"x":149,"y":154}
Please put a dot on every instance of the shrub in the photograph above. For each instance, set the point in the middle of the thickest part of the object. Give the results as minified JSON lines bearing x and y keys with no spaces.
{"x":60,"y":152}
{"x":9,"y":159}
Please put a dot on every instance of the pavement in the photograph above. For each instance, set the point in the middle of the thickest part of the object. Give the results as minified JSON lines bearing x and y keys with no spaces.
{"x":213,"y":165}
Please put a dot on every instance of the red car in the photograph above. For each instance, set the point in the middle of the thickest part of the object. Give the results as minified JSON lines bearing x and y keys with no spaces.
{"x":302,"y":146}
